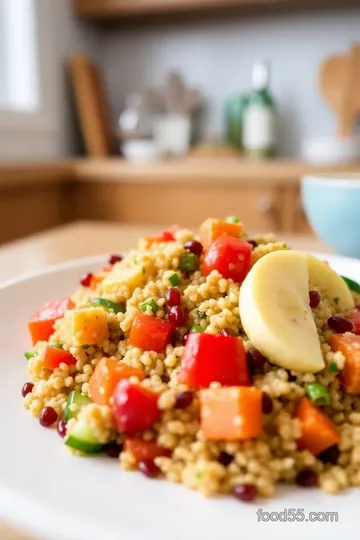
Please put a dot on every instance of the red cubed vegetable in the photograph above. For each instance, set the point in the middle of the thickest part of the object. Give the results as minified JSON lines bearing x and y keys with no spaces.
{"x":230,"y":256}
{"x":53,"y":357}
{"x":134,"y":408}
{"x":41,"y":323}
{"x":150,"y":333}
{"x":144,"y":450}
{"x":208,"y":358}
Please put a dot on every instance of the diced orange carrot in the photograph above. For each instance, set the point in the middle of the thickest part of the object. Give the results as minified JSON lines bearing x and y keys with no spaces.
{"x":349,"y":345}
{"x":318,"y":432}
{"x":143,"y":450}
{"x":231,"y":413}
{"x":211,"y":229}
{"x":106,"y":376}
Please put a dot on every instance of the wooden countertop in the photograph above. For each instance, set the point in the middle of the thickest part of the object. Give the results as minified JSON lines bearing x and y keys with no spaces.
{"x":82,"y":239}
{"x":218,"y":169}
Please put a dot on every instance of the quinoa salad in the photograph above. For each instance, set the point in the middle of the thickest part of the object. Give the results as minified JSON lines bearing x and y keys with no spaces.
{"x":225,"y":362}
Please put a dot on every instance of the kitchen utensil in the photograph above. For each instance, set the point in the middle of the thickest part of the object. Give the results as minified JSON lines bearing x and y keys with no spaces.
{"x":175,"y":93}
{"x":340,"y":86}
{"x":92,"y":106}
{"x":331,"y":150}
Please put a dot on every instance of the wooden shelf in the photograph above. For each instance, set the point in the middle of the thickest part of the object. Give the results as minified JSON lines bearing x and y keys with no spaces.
{"x":124,"y":9}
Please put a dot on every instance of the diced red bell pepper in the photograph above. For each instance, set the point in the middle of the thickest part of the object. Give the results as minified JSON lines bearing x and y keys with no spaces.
{"x":144,"y":450}
{"x":41,"y":323}
{"x":53,"y":357}
{"x":230,"y":256}
{"x":150,"y":333}
{"x":170,"y":231}
{"x":134,"y":408}
{"x":354,"y":316}
{"x":208,"y":358}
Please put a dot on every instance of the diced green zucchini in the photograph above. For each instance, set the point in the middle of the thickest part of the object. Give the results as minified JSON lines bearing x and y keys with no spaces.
{"x":81,"y":438}
{"x":56,"y":346}
{"x":353,"y":285}
{"x":77,"y":399}
{"x":108,"y":305}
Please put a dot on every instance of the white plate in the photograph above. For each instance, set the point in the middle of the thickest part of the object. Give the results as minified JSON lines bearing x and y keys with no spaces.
{"x":48,"y":492}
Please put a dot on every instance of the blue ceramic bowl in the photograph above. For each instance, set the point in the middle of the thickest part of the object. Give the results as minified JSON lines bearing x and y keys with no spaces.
{"x":332,"y":206}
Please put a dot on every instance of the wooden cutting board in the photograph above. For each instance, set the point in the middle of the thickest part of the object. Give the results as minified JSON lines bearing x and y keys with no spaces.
{"x":340,"y":86}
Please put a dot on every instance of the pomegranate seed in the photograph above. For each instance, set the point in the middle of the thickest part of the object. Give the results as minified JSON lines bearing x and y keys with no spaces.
{"x":114,"y":259}
{"x":27,"y":388}
{"x":330,"y":455}
{"x":173,"y":297}
{"x":185,"y":338}
{"x":149,"y":468}
{"x":340,"y":324}
{"x":225,"y":458}
{"x":267,"y":404}
{"x":177,"y":316}
{"x":255,"y":359}
{"x":244,"y":492}
{"x":61,"y":428}
{"x":314,"y":299}
{"x":252,"y":243}
{"x":86,"y":280}
{"x":113,"y":449}
{"x":194,"y":247}
{"x":226,"y":332}
{"x":183,"y":400}
{"x":306,"y":478}
{"x":48,"y":417}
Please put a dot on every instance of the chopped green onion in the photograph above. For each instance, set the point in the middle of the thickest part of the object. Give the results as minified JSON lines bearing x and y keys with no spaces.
{"x":189,"y":262}
{"x":201,"y":314}
{"x":107,"y":305}
{"x":353,"y":286}
{"x":232,"y":219}
{"x":151,"y":302}
{"x":333,"y":367}
{"x":56,"y":346}
{"x":318,"y":393}
{"x":174,"y":279}
{"x":30,"y":354}
{"x":197,"y":328}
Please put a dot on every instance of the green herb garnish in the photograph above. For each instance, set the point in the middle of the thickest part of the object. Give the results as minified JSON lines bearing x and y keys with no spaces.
{"x":108,"y":305}
{"x":196,"y":328}
{"x":29,"y":354}
{"x":56,"y":346}
{"x":189,"y":262}
{"x":333,"y":367}
{"x":174,"y":279}
{"x":317,"y":393}
{"x":151,"y":302}
{"x":232,"y":219}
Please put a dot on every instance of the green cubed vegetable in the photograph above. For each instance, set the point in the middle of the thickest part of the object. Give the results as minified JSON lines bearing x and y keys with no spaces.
{"x":108,"y":305}
{"x":77,"y":399}
{"x":197,"y":328}
{"x":232,"y":219}
{"x":151,"y":302}
{"x":317,"y":393}
{"x":174,"y":279}
{"x":189,"y":262}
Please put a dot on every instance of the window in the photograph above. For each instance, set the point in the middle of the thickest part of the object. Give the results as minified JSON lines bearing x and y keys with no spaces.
{"x":19,"y":74}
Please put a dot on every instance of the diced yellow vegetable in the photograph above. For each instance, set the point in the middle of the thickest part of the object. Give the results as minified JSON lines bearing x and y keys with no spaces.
{"x":123,"y":277}
{"x":85,"y":326}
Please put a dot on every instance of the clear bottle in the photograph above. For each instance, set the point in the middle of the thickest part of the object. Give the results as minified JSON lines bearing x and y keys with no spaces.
{"x":259,"y":130}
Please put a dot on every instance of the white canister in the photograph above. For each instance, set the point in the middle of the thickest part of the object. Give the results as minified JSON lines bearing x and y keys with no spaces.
{"x":172,"y":134}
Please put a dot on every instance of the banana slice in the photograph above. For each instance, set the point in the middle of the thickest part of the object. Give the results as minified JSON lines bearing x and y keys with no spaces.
{"x":329,"y":283}
{"x":275,"y":312}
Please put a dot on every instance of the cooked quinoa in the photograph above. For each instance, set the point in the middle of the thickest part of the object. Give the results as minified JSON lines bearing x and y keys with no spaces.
{"x":210,"y":303}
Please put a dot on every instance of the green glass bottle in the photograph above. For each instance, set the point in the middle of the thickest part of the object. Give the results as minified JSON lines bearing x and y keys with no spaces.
{"x":235,"y":107}
{"x":259,"y":130}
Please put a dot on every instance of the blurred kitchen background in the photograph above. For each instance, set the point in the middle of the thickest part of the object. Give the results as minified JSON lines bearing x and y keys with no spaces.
{"x":162,"y":111}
